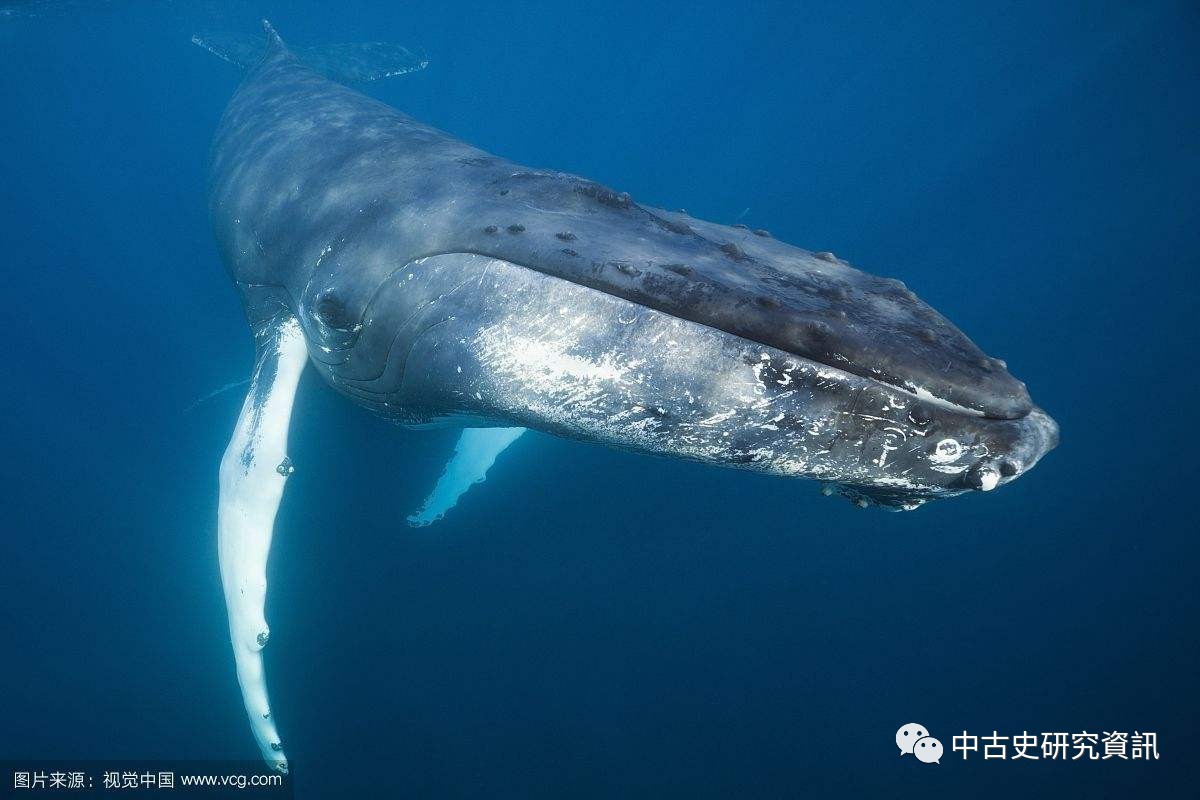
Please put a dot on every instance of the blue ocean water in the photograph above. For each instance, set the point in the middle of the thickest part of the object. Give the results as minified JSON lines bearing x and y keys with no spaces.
{"x":589,"y":623}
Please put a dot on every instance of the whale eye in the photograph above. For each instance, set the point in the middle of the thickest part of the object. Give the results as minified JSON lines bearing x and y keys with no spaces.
{"x":331,"y":311}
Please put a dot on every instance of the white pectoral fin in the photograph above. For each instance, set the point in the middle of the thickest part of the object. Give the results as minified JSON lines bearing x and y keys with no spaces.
{"x":253,"y":472}
{"x":474,"y":455}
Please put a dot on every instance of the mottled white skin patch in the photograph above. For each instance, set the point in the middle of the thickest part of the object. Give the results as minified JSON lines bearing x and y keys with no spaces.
{"x":474,"y":455}
{"x":251,"y":489}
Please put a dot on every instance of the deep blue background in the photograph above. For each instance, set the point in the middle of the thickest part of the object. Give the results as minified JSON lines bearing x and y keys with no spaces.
{"x":590,"y":623}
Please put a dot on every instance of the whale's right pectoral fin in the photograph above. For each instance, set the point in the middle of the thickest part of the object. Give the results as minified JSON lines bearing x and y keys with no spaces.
{"x":253,"y":473}
{"x":474,"y":455}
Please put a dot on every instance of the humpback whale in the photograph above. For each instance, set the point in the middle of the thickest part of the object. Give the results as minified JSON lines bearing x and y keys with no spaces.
{"x":436,"y":284}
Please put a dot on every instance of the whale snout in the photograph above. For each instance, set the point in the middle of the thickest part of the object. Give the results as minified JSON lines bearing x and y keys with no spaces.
{"x":951,"y":453}
{"x":1049,"y":429}
{"x":1032,"y":437}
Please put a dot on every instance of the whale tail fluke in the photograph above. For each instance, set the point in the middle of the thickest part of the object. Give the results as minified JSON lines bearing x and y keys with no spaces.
{"x":358,"y":62}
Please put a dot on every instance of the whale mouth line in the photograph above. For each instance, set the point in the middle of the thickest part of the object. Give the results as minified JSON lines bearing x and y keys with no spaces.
{"x":942,"y":403}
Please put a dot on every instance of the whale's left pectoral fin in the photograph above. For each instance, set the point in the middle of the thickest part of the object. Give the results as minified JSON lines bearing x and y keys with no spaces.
{"x":253,"y":473}
{"x":474,"y":455}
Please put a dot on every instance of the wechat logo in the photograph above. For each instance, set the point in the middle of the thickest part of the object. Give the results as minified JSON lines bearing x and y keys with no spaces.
{"x":914,"y":739}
